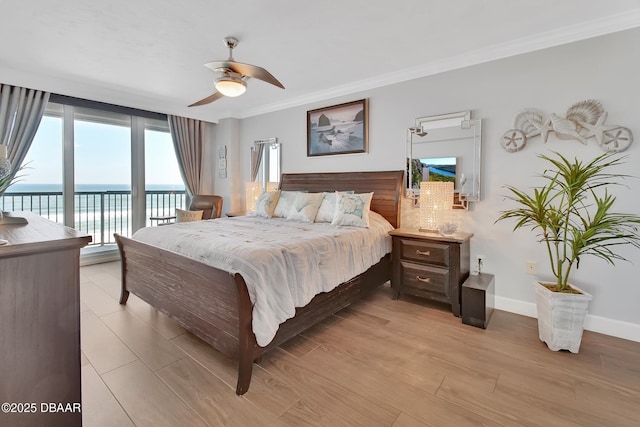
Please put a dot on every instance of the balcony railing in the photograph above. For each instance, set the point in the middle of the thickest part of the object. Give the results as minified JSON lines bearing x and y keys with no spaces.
{"x":97,"y":213}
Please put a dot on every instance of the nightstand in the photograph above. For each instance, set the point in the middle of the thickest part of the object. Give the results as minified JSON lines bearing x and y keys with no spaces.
{"x":430,"y":265}
{"x":232,"y":214}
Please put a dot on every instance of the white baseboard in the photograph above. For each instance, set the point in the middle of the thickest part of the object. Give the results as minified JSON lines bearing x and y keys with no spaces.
{"x":516,"y":306}
{"x":613,"y":327}
{"x":602,"y":325}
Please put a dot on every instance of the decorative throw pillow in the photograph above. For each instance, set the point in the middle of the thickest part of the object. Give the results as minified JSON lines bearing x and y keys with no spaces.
{"x":352,"y":209}
{"x":188,"y":216}
{"x":328,"y":206}
{"x":284,"y":203}
{"x":266,"y":203}
{"x":305,"y":207}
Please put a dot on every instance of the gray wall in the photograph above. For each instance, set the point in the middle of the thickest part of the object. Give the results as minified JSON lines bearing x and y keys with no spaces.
{"x":603,"y":68}
{"x":226,"y":133}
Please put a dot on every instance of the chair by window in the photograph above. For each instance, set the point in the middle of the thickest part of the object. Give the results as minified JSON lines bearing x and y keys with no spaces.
{"x":210,"y":205}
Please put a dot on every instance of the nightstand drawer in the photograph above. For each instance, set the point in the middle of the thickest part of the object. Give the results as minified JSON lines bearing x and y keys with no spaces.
{"x":425,"y":278}
{"x":425,"y":252}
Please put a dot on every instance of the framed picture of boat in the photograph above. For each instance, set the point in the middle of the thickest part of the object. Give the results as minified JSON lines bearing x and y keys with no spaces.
{"x":339,"y":129}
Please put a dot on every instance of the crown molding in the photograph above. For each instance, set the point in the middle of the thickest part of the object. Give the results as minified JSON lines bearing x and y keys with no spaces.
{"x":573,"y":33}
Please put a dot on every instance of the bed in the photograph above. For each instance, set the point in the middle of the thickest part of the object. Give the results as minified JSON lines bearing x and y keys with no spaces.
{"x":183,"y":288}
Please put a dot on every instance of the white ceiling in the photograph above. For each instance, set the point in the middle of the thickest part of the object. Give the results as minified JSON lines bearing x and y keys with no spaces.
{"x":149,"y":54}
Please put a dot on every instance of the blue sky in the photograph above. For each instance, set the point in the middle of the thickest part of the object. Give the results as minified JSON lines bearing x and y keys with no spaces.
{"x":102,"y":155}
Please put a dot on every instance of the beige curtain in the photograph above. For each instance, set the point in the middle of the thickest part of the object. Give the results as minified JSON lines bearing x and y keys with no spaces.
{"x":188,"y":139}
{"x":256,"y":158}
{"x":21,"y":111}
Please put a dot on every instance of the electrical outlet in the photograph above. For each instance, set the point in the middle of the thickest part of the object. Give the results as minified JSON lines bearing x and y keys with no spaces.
{"x":531,"y":267}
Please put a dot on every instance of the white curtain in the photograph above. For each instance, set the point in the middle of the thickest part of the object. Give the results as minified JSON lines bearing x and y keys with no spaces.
{"x":188,"y":139}
{"x":21,"y":111}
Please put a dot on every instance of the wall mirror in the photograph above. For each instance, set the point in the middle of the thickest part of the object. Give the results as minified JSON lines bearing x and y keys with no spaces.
{"x":446,"y":147}
{"x":265,"y":162}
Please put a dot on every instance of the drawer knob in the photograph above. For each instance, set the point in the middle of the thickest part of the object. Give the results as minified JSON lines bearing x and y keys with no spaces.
{"x":423,"y":279}
{"x":425,"y":253}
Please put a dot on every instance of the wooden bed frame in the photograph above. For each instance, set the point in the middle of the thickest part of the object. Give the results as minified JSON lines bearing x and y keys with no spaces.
{"x":184,"y":288}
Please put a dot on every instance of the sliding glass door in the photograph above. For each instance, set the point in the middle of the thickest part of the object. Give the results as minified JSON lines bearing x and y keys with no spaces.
{"x":99,"y":172}
{"x":102,"y":178}
{"x":164,"y":188}
{"x":39,"y":186}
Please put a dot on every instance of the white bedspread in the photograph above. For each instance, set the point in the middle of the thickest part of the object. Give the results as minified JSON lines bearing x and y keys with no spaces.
{"x":284,"y":263}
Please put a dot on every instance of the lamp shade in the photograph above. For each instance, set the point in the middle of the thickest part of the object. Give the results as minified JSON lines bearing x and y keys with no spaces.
{"x":252,"y":193}
{"x":436,"y":201}
{"x":230,"y":86}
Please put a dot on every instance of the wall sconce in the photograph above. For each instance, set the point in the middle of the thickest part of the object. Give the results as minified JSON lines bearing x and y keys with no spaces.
{"x":436,"y":199}
{"x":253,"y":189}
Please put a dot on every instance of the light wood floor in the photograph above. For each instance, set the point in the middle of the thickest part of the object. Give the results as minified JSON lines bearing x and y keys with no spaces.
{"x":378,"y":363}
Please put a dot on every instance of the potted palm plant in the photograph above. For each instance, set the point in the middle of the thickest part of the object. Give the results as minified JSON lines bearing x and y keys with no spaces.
{"x":6,"y":180}
{"x":573,"y":217}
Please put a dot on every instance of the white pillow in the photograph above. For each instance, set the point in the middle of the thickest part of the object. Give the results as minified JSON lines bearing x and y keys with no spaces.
{"x":284,"y":203}
{"x":352,"y":209}
{"x":266,"y":203}
{"x":305,"y":207}
{"x":188,"y":216}
{"x":328,"y":206}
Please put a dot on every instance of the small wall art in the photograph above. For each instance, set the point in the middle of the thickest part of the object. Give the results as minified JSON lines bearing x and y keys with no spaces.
{"x":582,"y":121}
{"x":339,"y":129}
{"x":222,"y":161}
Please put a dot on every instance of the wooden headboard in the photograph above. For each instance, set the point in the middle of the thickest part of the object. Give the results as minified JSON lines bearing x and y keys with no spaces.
{"x":387,"y":187}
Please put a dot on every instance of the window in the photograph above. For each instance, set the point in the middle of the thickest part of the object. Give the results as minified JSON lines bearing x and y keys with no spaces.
{"x":102,"y":174}
{"x":163,"y":183}
{"x":100,"y":190}
{"x":40,"y":187}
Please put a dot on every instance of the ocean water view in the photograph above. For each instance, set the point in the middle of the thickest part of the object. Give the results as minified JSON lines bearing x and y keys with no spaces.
{"x":100,"y":209}
{"x":44,"y":188}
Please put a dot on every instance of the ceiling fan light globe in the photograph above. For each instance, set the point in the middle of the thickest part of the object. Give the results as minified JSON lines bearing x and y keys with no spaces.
{"x":229,"y":86}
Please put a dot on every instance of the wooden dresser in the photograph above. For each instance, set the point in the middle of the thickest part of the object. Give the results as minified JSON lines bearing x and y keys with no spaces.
{"x":40,"y":323}
{"x":430,"y":265}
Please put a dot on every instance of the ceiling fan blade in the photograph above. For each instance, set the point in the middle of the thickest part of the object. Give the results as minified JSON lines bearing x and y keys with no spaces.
{"x":255,"y":72}
{"x":208,"y":99}
{"x":246,"y":70}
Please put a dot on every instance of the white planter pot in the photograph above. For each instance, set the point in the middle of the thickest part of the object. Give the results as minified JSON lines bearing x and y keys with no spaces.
{"x":561,"y":317}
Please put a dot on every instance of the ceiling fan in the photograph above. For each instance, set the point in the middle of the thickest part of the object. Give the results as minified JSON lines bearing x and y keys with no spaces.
{"x":232,"y":76}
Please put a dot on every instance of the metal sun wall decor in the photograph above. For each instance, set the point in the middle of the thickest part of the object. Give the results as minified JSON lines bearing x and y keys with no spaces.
{"x":583,"y":120}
